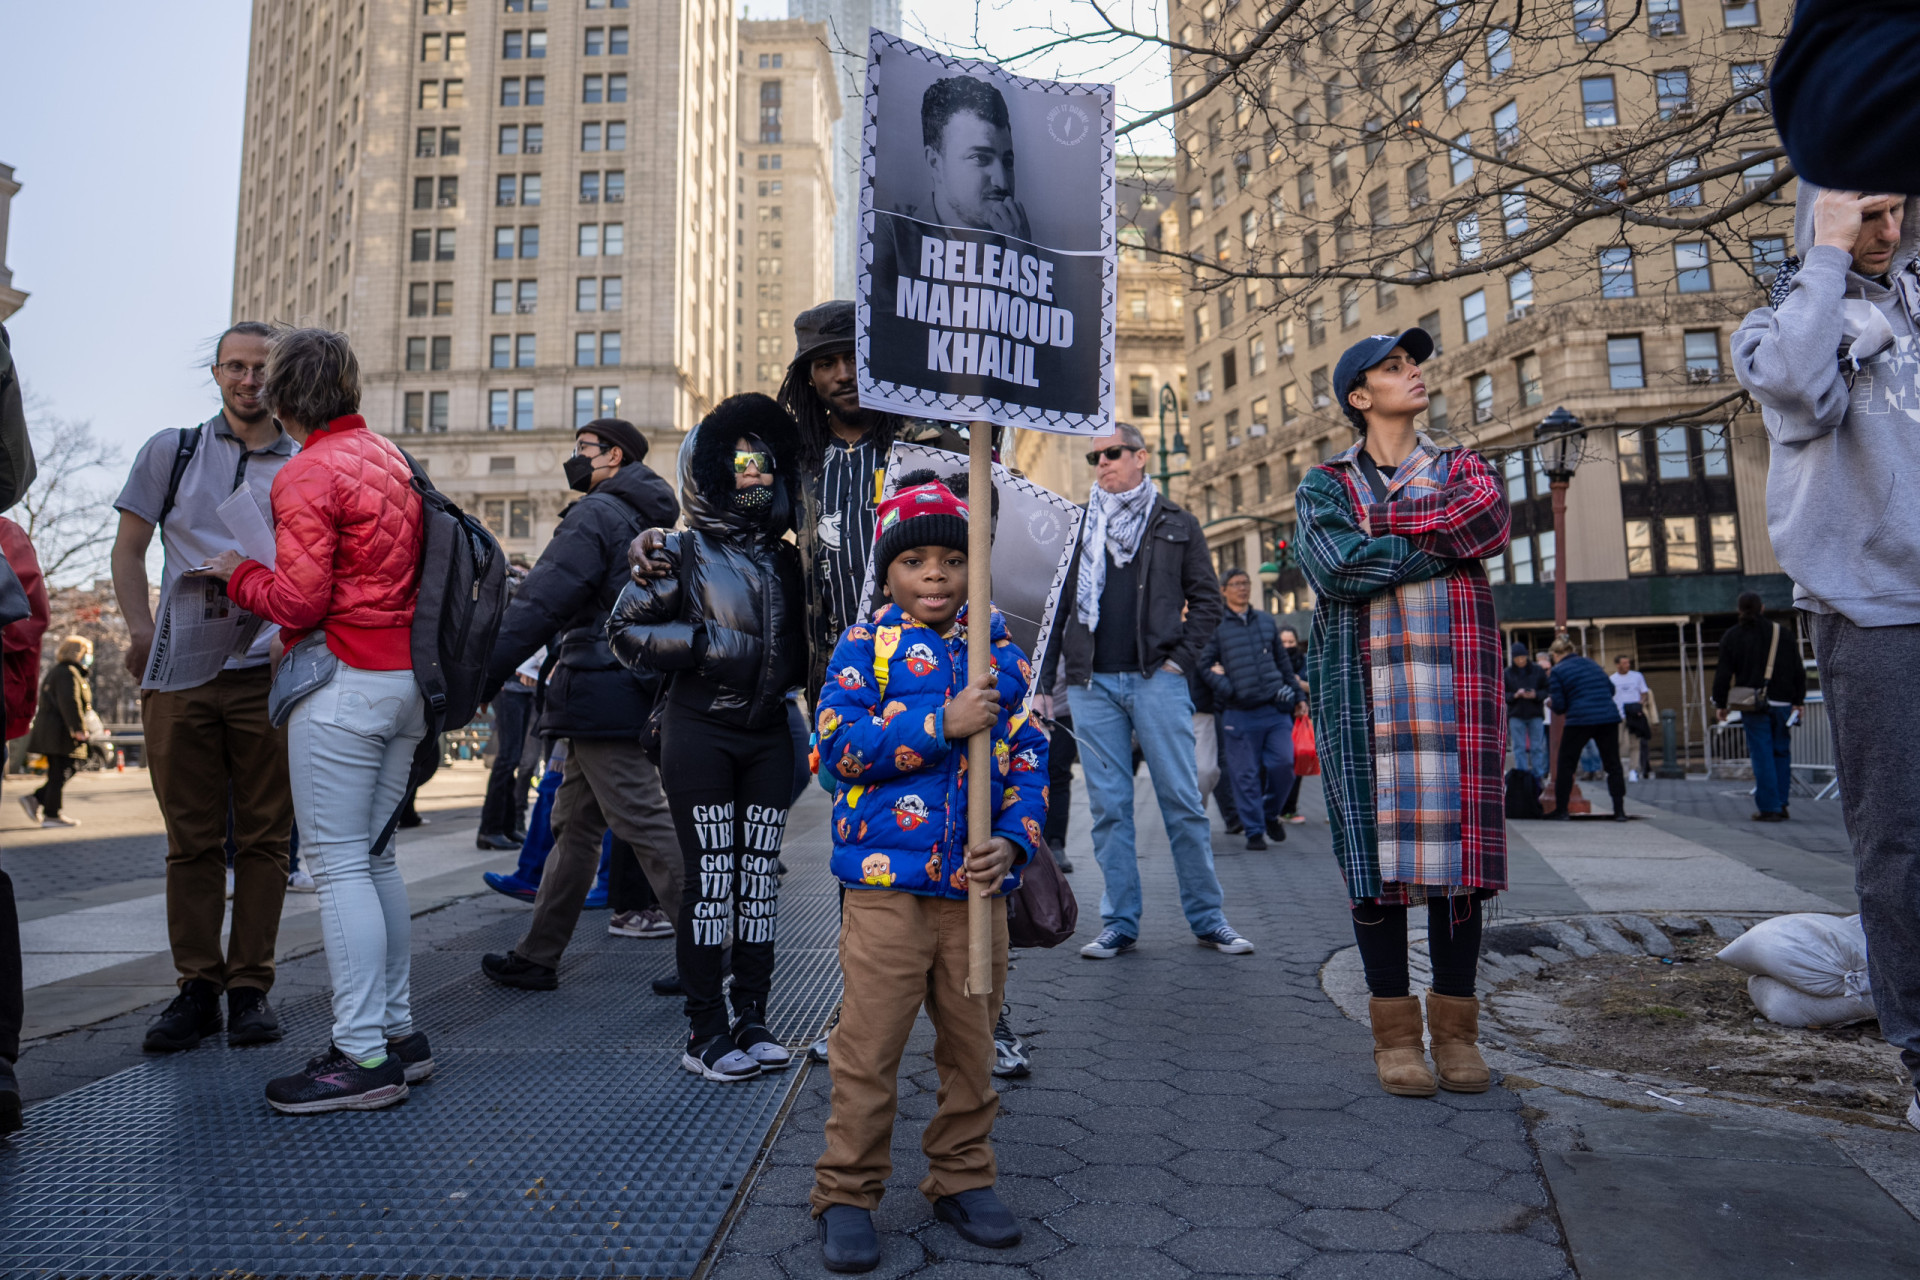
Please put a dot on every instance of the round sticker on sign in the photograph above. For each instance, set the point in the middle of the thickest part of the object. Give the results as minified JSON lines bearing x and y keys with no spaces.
{"x":1069,"y":124}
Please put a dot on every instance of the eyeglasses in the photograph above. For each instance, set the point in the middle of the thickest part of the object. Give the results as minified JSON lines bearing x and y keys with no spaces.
{"x":743,"y":458}
{"x":1111,"y":455}
{"x":580,"y":448}
{"x":235,"y":369}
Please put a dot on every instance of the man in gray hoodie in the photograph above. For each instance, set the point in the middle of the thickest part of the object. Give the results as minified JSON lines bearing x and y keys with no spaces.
{"x":1835,"y":365}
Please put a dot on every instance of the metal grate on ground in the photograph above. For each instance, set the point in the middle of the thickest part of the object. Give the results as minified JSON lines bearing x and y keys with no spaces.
{"x":560,"y":1136}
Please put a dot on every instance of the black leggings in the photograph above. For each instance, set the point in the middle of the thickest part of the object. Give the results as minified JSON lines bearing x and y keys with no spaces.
{"x":1573,"y":739}
{"x":59,"y":769}
{"x":1453,"y":938}
{"x":627,"y":886}
{"x":1062,"y":751}
{"x":729,"y":789}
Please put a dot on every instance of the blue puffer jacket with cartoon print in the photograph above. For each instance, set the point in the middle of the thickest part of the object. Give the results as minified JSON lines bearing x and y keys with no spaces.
{"x":900,"y":805}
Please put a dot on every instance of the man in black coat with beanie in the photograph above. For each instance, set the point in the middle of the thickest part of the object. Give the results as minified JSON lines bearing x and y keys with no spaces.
{"x":591,"y":699}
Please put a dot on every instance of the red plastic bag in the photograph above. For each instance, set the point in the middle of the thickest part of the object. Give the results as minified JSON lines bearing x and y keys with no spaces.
{"x":1306,"y":757}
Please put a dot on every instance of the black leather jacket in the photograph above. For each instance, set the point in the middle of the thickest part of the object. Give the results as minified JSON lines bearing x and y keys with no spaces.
{"x":729,"y":623}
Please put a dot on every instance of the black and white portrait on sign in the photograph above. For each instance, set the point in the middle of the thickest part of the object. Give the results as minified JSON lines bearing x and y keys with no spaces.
{"x":987,"y":261}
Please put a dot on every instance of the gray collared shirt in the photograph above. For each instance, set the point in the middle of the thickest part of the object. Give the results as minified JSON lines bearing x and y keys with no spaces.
{"x":194,"y":531}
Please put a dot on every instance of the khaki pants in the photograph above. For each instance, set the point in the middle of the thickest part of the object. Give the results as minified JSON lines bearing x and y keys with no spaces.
{"x":898,"y":952}
{"x":607,"y":783}
{"x":203,"y":746}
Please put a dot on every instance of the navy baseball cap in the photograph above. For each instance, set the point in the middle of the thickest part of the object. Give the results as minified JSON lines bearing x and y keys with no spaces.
{"x":1365,"y":354}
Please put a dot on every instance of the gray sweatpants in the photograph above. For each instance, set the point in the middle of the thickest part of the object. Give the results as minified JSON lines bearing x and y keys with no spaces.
{"x":1860,"y":674}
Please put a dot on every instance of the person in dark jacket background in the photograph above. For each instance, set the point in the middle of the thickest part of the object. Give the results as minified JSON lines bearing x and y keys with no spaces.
{"x":1743,"y":661}
{"x":1525,"y":685}
{"x":728,"y":625}
{"x":1254,"y":686}
{"x":593,"y":701}
{"x":1297,"y":659}
{"x":1582,"y":696}
{"x":60,"y":728}
{"x":1142,"y":602}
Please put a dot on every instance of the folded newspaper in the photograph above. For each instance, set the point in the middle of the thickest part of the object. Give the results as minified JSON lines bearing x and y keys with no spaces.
{"x":199,"y":626}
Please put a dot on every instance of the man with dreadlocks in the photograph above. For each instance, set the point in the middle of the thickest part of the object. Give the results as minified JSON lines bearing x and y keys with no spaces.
{"x":843,"y":452}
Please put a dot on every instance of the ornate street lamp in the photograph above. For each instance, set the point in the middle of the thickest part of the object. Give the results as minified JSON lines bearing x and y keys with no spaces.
{"x":1558,"y":441}
{"x":1170,"y":404}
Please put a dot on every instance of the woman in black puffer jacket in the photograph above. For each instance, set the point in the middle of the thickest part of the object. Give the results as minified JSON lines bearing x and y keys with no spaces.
{"x":728,"y":627}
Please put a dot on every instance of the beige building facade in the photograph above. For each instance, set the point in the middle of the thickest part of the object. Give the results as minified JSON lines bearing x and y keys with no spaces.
{"x":1626,"y":325}
{"x":1149,"y":350}
{"x":516,"y":209}
{"x":11,"y":299}
{"x":784,"y":200}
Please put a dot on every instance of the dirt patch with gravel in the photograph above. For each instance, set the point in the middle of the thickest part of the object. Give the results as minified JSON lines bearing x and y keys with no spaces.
{"x":1691,"y":1021}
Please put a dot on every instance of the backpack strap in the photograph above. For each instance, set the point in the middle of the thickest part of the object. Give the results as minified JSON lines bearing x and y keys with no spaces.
{"x":182,"y":455}
{"x":1772,"y":649}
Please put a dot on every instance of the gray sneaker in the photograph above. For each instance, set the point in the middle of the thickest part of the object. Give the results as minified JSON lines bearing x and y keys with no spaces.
{"x":718,"y":1058}
{"x":1226,"y":940}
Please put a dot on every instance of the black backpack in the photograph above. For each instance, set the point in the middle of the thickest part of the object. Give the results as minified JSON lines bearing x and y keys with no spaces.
{"x":463,"y":593}
{"x":1523,"y":795}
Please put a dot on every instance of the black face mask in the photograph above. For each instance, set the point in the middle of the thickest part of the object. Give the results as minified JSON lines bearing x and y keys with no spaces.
{"x":579,"y":472}
{"x":754,"y":503}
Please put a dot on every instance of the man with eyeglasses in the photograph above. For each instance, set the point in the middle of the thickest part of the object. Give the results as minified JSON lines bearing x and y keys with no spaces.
{"x":592,"y":700}
{"x":210,"y":749}
{"x":1142,"y":603}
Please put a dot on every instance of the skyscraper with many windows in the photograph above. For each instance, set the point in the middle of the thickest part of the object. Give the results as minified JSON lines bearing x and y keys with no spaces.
{"x":517,"y":210}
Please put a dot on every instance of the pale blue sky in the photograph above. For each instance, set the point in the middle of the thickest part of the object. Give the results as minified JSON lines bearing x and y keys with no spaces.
{"x":125,"y":136}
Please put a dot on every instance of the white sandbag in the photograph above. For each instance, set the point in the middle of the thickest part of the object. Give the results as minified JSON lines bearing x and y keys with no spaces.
{"x":1820,"y":955}
{"x":1780,"y":1003}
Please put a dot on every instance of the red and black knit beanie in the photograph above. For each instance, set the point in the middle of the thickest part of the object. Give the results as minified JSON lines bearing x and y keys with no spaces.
{"x":923,"y":512}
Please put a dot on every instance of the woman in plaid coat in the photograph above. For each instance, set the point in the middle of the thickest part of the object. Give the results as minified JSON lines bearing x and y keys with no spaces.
{"x":1405,"y":676}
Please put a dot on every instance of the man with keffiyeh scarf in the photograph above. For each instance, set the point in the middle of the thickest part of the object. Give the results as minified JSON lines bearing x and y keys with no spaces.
{"x":1144,"y":603}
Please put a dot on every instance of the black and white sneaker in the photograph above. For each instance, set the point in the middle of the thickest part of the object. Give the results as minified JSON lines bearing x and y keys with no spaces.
{"x":1109,"y":944}
{"x":1010,"y":1061}
{"x":335,"y":1082}
{"x":718,"y":1058}
{"x":1225,"y":939}
{"x":416,"y":1056}
{"x":751,"y":1037}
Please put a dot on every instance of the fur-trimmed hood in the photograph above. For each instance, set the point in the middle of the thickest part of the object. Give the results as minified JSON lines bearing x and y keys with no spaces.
{"x":706,"y":467}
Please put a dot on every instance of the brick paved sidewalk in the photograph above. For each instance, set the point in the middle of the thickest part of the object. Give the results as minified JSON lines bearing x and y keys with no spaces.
{"x":1194,"y":1114}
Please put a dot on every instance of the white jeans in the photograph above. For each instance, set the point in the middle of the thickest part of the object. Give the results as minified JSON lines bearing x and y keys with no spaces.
{"x":350,"y":749}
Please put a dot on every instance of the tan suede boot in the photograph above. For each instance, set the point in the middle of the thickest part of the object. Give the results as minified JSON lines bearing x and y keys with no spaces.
{"x":1397,"y":1055}
{"x":1455,"y":1023}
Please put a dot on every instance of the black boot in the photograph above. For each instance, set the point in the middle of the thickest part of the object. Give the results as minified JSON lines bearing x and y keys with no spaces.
{"x":1619,"y":808}
{"x":250,"y":1019}
{"x":194,"y":1013}
{"x":515,"y":970}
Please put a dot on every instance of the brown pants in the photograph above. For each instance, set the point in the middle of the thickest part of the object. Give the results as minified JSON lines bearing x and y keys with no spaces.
{"x":897,"y":952}
{"x":205,"y":745}
{"x":607,"y":783}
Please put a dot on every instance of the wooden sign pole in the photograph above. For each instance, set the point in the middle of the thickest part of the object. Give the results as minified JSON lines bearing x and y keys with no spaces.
{"x":980,"y":906}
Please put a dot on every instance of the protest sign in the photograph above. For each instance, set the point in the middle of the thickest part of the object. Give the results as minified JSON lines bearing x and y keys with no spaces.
{"x":986,"y":274}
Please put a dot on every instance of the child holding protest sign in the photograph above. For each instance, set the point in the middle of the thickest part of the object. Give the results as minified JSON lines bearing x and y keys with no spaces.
{"x":897,"y":708}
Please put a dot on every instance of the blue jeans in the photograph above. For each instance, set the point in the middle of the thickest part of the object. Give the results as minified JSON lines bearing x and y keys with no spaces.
{"x":1108,"y":714}
{"x":1257,"y":738}
{"x":1528,"y":738}
{"x":1770,"y":747}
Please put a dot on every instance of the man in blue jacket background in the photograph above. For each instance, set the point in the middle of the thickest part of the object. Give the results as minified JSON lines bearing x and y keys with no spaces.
{"x":1581,"y":696}
{"x":1253,"y":683}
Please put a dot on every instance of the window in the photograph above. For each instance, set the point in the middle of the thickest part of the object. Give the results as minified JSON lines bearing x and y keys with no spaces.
{"x":1596,"y":99}
{"x":1606,"y":181}
{"x":1481,"y":386}
{"x":499,"y":410}
{"x":617,"y":88}
{"x":417,"y":303}
{"x":586,"y":294}
{"x":1499,"y":52}
{"x":528,"y":301}
{"x":523,"y":410}
{"x":1519,"y":293}
{"x":416,"y":412}
{"x":443,"y":245}
{"x":1349,"y":304}
{"x":1673,"y":92}
{"x":1741,"y":13}
{"x":509,"y":139}
{"x":1663,"y":17}
{"x":1723,"y":532}
{"x":1513,"y":212}
{"x":586,"y":349}
{"x":1749,"y":88}
{"x":503,"y":242}
{"x":1459,"y":163}
{"x":1639,"y":546}
{"x":1454,"y":84}
{"x":1337,"y":168}
{"x":617,"y":43}
{"x":422,"y":246}
{"x":1262,"y":482}
{"x":1229,"y":370}
{"x":1473,"y":311}
{"x":1436,"y":413}
{"x":437,"y":410}
{"x":1616,"y":272}
{"x":1713,"y":451}
{"x":535,"y":139}
{"x":1376,"y":138}
{"x":590,"y":187}
{"x":613,"y":239}
{"x":1377,"y":211}
{"x":443,"y":298}
{"x":1257,"y":416}
{"x":1257,"y":356}
{"x":510,"y":91}
{"x":513,"y":44}
{"x":1316,"y":322}
{"x":1671,"y":451}
{"x":1768,"y":253}
{"x":616,"y":135}
{"x":1140,"y":395}
{"x":1590,"y":20}
{"x":1702,"y":350}
{"x":423,"y":140}
{"x":1290,"y":407}
{"x":1235,"y":499}
{"x":1449,"y":13}
{"x":1417,"y":185}
{"x":1682,"y":537}
{"x":1431,"y":323}
{"x":593,"y":89}
{"x":1527,"y":372}
{"x":589,"y":246}
{"x":596,"y":42}
{"x":500,"y":351}
{"x":590,"y":137}
{"x":1679,"y":171}
{"x":770,"y":101}
{"x":523,"y":351}
{"x":502,"y":297}
{"x":1514,"y":468}
{"x":416,"y":355}
{"x":1321,"y":386}
{"x":530,"y":189}
{"x":445,"y":94}
{"x":1692,"y":272}
{"x":1466,"y":234}
{"x":1332,"y":93}
{"x":423,"y":193}
{"x":1624,"y":370}
{"x":505,"y":189}
{"x":1232,"y":425}
{"x":529,"y":242}
{"x":1630,"y":443}
{"x":1756,"y":175}
{"x":1506,"y":126}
